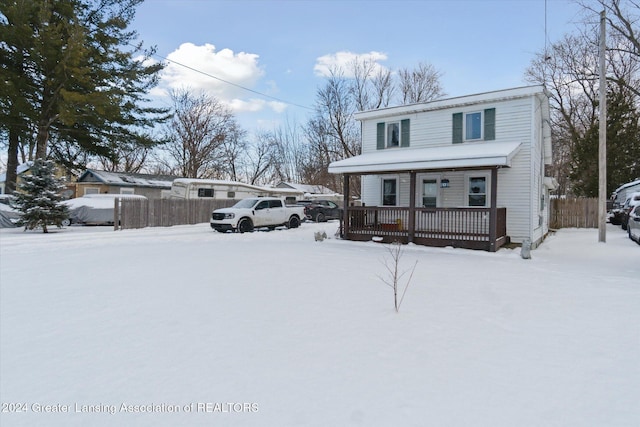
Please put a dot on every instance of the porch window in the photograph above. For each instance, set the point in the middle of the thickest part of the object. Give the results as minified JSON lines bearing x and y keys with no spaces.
{"x":389,"y":192}
{"x":477,"y":191}
{"x":429,"y":193}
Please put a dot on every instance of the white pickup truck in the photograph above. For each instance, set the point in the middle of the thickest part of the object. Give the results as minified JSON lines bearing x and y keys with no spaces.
{"x":257,"y":212}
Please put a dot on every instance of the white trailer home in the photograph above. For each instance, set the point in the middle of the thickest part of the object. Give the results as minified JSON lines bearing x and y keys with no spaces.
{"x":187,"y":188}
{"x":464,"y":172}
{"x":620,"y":195}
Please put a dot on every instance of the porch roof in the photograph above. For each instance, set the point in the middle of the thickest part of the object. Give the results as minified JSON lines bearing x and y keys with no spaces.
{"x":458,"y":156}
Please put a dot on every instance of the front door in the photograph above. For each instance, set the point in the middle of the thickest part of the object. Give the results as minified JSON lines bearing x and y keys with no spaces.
{"x":427,"y":220}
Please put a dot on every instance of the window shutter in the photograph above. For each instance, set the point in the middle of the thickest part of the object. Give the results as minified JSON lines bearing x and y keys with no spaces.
{"x":404,"y":132}
{"x":380,"y":137}
{"x":490,"y":124}
{"x":457,"y":128}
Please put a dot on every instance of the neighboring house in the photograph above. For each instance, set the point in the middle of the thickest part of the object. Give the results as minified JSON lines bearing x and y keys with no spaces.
{"x":463,"y":172}
{"x":25,"y":168}
{"x":22,"y":169}
{"x":188,"y":188}
{"x":102,"y":182}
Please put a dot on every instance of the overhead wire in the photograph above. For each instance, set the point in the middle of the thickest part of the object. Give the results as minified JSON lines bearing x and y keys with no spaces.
{"x":231,"y":83}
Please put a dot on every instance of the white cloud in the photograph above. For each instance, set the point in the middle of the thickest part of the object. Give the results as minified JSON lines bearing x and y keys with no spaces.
{"x":205,"y":69}
{"x":345,"y":60}
{"x":254,"y":105}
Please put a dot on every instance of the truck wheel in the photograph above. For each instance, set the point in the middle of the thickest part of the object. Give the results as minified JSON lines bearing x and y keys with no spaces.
{"x":245,"y":225}
{"x":294,"y":222}
{"x":320,"y":217}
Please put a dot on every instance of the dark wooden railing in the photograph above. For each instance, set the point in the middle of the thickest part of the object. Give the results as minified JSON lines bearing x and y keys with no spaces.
{"x":457,"y":227}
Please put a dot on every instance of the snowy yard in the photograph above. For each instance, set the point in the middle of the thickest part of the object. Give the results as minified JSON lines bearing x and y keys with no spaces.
{"x":185,"y":326}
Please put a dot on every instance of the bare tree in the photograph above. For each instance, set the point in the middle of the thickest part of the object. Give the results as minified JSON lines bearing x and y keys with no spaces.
{"x":421,"y":84}
{"x":570,"y":69}
{"x":259,"y":160}
{"x":394,"y":276}
{"x":336,"y":106}
{"x":196,"y":135}
{"x":371,"y":85}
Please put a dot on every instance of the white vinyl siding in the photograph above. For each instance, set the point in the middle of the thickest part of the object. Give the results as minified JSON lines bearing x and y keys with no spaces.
{"x":519,"y":187}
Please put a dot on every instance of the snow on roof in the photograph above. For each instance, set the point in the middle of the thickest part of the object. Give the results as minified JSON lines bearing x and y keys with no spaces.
{"x":220,"y":182}
{"x":307,"y":188}
{"x":499,"y":95}
{"x":627,"y":185}
{"x":128,"y":179}
{"x":444,"y":157}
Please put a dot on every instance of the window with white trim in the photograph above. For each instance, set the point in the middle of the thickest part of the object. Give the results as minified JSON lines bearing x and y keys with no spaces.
{"x":393,"y":134}
{"x":127,"y":191}
{"x":473,"y":126}
{"x":389,"y":192}
{"x":91,"y":190}
{"x":477,"y":191}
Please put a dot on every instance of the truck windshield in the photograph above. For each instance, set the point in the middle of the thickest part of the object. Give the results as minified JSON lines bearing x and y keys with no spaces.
{"x":245,"y":203}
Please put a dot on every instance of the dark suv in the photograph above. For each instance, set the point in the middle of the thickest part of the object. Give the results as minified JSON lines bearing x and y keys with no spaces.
{"x":321,"y":210}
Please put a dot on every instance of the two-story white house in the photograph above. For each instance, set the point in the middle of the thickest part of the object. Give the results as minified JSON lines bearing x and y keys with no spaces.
{"x":463,"y":172}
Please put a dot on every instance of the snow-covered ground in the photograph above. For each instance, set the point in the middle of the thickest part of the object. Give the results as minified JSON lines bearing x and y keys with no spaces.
{"x":185,"y":326}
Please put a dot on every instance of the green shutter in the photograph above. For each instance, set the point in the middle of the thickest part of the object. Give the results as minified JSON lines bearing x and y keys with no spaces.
{"x":490,"y":124}
{"x":457,"y":128}
{"x":404,"y":132}
{"x":380,"y":137}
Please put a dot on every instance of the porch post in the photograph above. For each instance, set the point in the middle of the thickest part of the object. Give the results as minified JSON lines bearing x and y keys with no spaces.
{"x":345,"y":204}
{"x":412,"y":206}
{"x":493,"y":212}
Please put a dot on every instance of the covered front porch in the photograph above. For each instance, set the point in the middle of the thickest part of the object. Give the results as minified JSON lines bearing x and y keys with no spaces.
{"x":470,"y":218}
{"x":471,"y":227}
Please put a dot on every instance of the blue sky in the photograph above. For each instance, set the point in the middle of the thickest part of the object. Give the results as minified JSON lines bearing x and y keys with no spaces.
{"x":280,"y":48}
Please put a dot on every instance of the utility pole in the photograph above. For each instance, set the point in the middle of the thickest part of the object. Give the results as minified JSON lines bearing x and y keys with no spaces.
{"x":602,"y":140}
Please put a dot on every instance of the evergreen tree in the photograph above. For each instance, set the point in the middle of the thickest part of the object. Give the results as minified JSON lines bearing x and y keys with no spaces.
{"x":623,"y":147}
{"x":38,"y":198}
{"x":74,"y":78}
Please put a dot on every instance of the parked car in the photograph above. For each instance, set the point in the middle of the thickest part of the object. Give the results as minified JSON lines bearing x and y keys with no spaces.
{"x":633,"y":224}
{"x":322,"y":210}
{"x":95,"y":209}
{"x":8,"y":215}
{"x":632,"y":201}
{"x":256,"y":212}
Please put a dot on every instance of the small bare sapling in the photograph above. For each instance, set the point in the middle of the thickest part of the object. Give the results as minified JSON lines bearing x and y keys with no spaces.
{"x":394,"y":276}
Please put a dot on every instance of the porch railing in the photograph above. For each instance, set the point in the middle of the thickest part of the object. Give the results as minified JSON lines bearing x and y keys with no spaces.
{"x":458,"y":227}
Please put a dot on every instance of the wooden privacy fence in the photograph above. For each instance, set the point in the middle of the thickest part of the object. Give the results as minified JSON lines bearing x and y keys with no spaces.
{"x":140,"y":213}
{"x":574,"y":213}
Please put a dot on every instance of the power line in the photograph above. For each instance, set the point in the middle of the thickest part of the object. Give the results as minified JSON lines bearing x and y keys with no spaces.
{"x":231,"y":83}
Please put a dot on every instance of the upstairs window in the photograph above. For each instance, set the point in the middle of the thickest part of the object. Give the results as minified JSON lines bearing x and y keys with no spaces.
{"x":392,"y":134}
{"x":474,"y":126}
